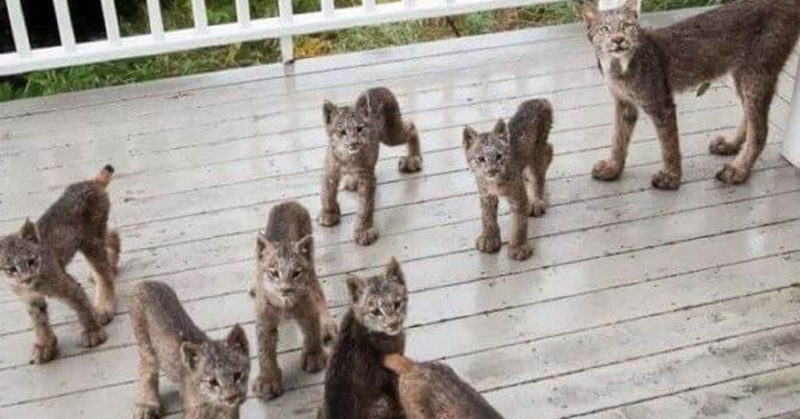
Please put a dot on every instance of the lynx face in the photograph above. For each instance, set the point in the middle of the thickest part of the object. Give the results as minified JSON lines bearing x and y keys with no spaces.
{"x":21,"y":256}
{"x":347,"y":127}
{"x":379,"y":302}
{"x":489,"y":154}
{"x":285,"y":270}
{"x":219,"y":371}
{"x":614,"y":33}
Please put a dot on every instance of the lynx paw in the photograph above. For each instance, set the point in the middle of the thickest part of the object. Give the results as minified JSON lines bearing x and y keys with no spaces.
{"x":606,"y":170}
{"x":521,"y":251}
{"x":721,"y":147}
{"x":366,"y":236}
{"x":314,"y":361}
{"x":350,"y":183}
{"x":142,"y":411}
{"x":488,"y":243}
{"x":328,"y":219}
{"x":666,"y":181}
{"x":538,"y":208}
{"x":43,"y":353}
{"x":93,"y":338}
{"x":104,"y":315}
{"x":410,"y":164}
{"x":732,"y":175}
{"x":329,"y":331}
{"x":268,"y":387}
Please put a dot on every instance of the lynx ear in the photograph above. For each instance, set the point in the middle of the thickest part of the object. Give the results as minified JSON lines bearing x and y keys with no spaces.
{"x":501,"y":130}
{"x":237,"y":340}
{"x":305,"y":245}
{"x":393,"y":271}
{"x":29,"y":231}
{"x":470,"y":136}
{"x":328,"y":111}
{"x":263,"y":245}
{"x":363,"y":106}
{"x":631,"y":7}
{"x":589,"y":11}
{"x":355,"y":285}
{"x":190,"y":355}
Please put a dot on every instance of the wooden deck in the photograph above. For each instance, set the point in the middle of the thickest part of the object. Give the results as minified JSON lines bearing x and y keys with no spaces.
{"x":637,"y":304}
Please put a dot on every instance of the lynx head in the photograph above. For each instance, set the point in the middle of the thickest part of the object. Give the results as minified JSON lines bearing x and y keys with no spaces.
{"x":489,"y":154}
{"x":379,"y":302}
{"x":348,"y":127}
{"x":21,"y":255}
{"x":219,"y":370}
{"x":614,"y":33}
{"x":285,"y":269}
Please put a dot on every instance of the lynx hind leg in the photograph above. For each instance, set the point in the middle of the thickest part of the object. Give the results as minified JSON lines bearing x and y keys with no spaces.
{"x":412,"y":162}
{"x":46,"y":347}
{"x":148,"y":405}
{"x":99,"y":256}
{"x":722,"y":147}
{"x":113,"y":249}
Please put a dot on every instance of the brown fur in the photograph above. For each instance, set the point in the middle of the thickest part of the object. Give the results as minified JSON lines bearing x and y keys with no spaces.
{"x":287,"y":287}
{"x":356,"y":385}
{"x":354,"y":137}
{"x":212,"y":375}
{"x":34,"y":261}
{"x":433,"y":391}
{"x":750,"y":39}
{"x":512,"y":161}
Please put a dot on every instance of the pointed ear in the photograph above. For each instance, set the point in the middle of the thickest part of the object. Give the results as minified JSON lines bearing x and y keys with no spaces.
{"x":328,"y":111}
{"x":305,"y":245}
{"x":190,"y":355}
{"x":29,"y":231}
{"x":394,"y":271}
{"x":363,"y":106}
{"x":263,"y":245}
{"x":237,"y":340}
{"x":355,"y":284}
{"x":631,"y":7}
{"x":470,"y":136}
{"x":589,"y":11}
{"x":501,"y":130}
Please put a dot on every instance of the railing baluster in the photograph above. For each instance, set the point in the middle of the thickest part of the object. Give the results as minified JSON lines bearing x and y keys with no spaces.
{"x":19,"y":31}
{"x":243,"y":12}
{"x":156,"y":23}
{"x":409,"y":4}
{"x":287,"y":42}
{"x":64,"y":21}
{"x":327,"y":7}
{"x":369,"y":5}
{"x":200,"y":15}
{"x":110,"y":18}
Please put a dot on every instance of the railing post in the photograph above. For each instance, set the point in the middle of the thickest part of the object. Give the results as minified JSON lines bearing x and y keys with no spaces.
{"x":156,"y":23}
{"x":327,"y":7}
{"x":243,"y":12}
{"x":791,"y":144}
{"x":18,"y":29}
{"x":200,"y":16}
{"x":111,"y":21}
{"x":287,"y":41}
{"x":64,"y":21}
{"x":369,"y":5}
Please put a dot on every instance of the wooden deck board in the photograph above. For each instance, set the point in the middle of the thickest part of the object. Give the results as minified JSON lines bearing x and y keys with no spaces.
{"x":637,"y":303}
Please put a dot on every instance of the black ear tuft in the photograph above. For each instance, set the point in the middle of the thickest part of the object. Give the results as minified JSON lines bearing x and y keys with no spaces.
{"x":29,"y":231}
{"x":355,"y":285}
{"x":394,"y":271}
{"x":328,"y":111}
{"x":263,"y":245}
{"x":501,"y":130}
{"x":305,"y":245}
{"x":237,"y":340}
{"x":470,"y":136}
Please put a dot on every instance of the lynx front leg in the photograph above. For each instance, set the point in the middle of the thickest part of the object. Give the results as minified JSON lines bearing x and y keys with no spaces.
{"x":412,"y":162}
{"x":46,"y":347}
{"x":98,"y":255}
{"x":269,"y":383}
{"x":329,"y":216}
{"x":314,"y":357}
{"x":148,"y":404}
{"x":537,"y":193}
{"x":489,"y":240}
{"x":329,"y":326}
{"x":665,"y":120}
{"x":625,"y":122}
{"x":69,"y":291}
{"x":519,"y":248}
{"x":366,"y":233}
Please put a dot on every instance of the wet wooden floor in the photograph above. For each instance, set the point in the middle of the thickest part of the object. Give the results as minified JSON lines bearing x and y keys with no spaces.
{"x":637,"y":304}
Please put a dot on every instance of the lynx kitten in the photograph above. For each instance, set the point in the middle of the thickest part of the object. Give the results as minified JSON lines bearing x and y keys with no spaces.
{"x":512,"y":161}
{"x":287,"y":287}
{"x":354,"y":137}
{"x":34,"y":262}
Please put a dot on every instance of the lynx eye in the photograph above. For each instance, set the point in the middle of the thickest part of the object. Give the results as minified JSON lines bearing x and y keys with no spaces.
{"x":237,"y":376}
{"x":360,"y":128}
{"x":273,"y":273}
{"x":342,"y":133}
{"x":31,"y":263}
{"x":213,"y":382}
{"x":398,"y":304}
{"x":376,"y":312}
{"x":605,"y":29}
{"x":481,"y":159}
{"x":297,"y":273}
{"x":12,"y":270}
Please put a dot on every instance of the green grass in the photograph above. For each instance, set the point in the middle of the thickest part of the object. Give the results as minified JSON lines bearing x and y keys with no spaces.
{"x":178,"y":14}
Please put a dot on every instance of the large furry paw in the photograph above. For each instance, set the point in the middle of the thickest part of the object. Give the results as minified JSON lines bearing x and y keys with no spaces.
{"x":366,"y":236}
{"x":268,"y":387}
{"x":330,"y":329}
{"x":732,"y":175}
{"x":44,"y":352}
{"x":666,"y":181}
{"x":520,"y":251}
{"x":722,"y":147}
{"x":91,"y":338}
{"x":410,"y":164}
{"x":142,"y":411}
{"x":488,"y":243}
{"x":328,"y":219}
{"x":538,"y":208}
{"x":350,"y":183}
{"x":104,"y":315}
{"x":314,"y":361}
{"x":606,"y":170}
